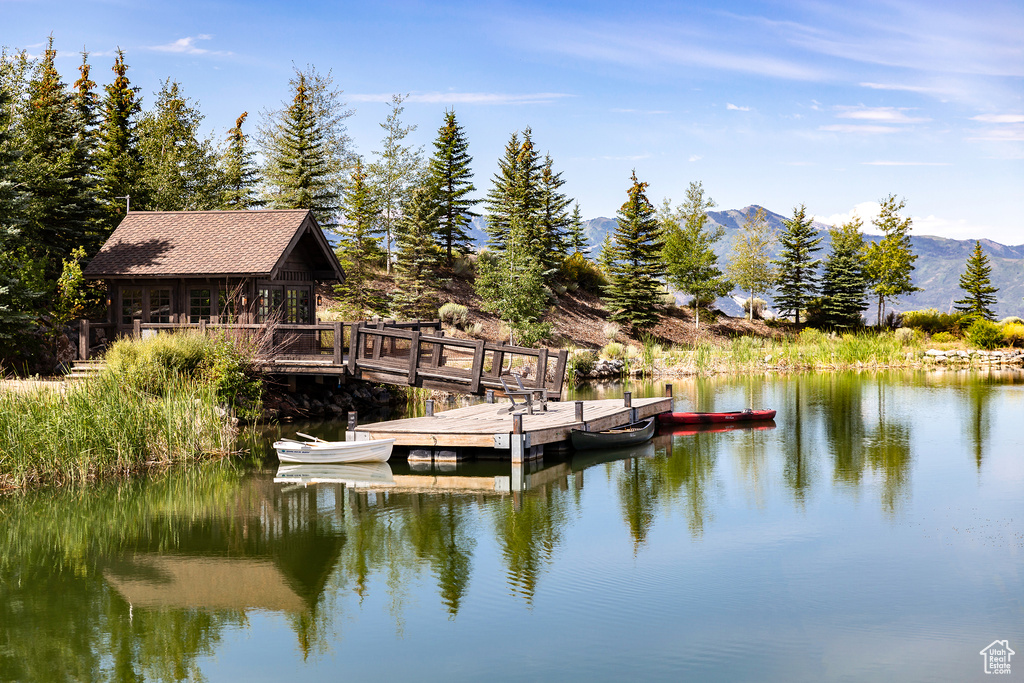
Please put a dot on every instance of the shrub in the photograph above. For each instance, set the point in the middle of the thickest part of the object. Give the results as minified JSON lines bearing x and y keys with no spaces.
{"x":984,"y":334}
{"x":224,"y":363}
{"x":463,"y":266}
{"x":907,"y":335}
{"x":454,"y":314}
{"x":759,"y":305}
{"x":580,"y":364}
{"x":611,"y":331}
{"x":943,"y":337}
{"x":1013,"y":334}
{"x":581,"y":270}
{"x":931,"y":321}
{"x":612,"y":350}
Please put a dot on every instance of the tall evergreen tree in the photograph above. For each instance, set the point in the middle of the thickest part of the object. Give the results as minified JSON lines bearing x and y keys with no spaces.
{"x":843,"y":281}
{"x":688,"y":249}
{"x":450,"y":173}
{"x":55,"y":170}
{"x":798,"y":278}
{"x":750,"y":264}
{"x":239,"y":173}
{"x":359,"y":246}
{"x":179,"y":169}
{"x":394,"y":172}
{"x":577,"y":236}
{"x":553,"y":218}
{"x":16,"y":297}
{"x":119,"y":160}
{"x":634,"y":290}
{"x":515,"y":198}
{"x":889,"y":263}
{"x":419,"y":256}
{"x":976,"y":281}
{"x":87,"y":103}
{"x":306,"y":147}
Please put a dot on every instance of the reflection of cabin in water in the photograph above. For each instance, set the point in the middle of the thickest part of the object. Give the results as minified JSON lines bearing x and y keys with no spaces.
{"x":214,"y":267}
{"x":273,"y":549}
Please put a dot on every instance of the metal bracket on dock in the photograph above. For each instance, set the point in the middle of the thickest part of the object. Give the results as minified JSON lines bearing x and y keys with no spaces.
{"x":503,"y":441}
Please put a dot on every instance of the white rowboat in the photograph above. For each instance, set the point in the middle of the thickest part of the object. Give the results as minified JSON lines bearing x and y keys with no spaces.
{"x":317,"y":451}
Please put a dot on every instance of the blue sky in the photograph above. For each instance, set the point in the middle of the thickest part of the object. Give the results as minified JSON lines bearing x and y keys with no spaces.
{"x":833,"y":105}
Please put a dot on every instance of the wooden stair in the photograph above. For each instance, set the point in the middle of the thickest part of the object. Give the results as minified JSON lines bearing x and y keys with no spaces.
{"x":85,"y":368}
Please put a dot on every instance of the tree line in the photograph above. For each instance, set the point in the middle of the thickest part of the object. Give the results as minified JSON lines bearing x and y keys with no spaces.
{"x":74,"y":157}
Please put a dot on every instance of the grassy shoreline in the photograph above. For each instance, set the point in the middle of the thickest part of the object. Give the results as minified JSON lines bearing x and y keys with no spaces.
{"x":106,"y":426}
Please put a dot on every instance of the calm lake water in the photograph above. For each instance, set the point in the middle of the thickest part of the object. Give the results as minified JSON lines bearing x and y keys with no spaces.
{"x":874,"y":532}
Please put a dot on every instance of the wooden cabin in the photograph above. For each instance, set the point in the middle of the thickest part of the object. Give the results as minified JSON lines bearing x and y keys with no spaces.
{"x":191,"y":267}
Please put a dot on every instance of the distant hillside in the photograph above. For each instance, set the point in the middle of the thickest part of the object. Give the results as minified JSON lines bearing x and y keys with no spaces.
{"x":939,"y":264}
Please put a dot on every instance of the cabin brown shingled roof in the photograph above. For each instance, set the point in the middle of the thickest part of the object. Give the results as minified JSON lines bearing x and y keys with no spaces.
{"x":183,"y":243}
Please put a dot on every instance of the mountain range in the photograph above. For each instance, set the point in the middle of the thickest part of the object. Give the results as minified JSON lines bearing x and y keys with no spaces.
{"x":940,"y":261}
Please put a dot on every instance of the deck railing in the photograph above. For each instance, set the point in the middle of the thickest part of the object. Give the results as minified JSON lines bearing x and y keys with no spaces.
{"x":410,"y":353}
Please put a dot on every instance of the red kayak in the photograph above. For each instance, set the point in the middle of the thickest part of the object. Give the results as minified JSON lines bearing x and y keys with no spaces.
{"x":711,"y":418}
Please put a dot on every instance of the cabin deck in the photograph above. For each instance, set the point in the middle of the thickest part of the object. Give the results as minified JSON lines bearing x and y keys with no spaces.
{"x":490,"y":425}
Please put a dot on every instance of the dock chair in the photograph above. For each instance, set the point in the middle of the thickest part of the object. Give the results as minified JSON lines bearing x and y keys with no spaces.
{"x":512,"y":394}
{"x":540,"y":392}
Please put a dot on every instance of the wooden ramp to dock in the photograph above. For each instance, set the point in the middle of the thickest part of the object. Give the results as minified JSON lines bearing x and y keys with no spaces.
{"x":489,"y":425}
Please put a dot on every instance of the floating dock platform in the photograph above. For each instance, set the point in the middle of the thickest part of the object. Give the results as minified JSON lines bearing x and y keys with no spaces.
{"x":519,"y":436}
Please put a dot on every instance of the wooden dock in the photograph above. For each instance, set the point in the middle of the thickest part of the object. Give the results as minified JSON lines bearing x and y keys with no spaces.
{"x":491,"y":426}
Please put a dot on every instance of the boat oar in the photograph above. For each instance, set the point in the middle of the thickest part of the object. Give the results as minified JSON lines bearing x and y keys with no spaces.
{"x":307,"y":436}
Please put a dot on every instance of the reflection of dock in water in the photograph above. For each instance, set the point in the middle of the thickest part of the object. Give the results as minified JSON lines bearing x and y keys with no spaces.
{"x":479,"y":477}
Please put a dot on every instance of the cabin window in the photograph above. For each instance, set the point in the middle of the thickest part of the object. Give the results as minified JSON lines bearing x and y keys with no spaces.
{"x":296,"y":305}
{"x":131,"y":306}
{"x":270,"y":303}
{"x":160,"y":305}
{"x":199,"y":305}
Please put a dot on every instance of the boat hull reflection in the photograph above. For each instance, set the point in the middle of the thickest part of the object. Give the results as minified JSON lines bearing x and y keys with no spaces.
{"x":355,"y":475}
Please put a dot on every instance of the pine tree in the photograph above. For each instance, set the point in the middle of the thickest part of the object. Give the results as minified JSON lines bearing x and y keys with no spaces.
{"x":633,"y":292}
{"x":450,"y":173}
{"x":418,"y":256}
{"x":750,"y":265}
{"x":797,"y":271}
{"x":239,"y":173}
{"x":359,"y":246}
{"x":889,"y":263}
{"x":87,"y":105}
{"x":843,"y":281}
{"x":515,"y":198}
{"x":119,"y":160}
{"x":61,"y":210}
{"x":553,"y":220}
{"x":306,"y":147}
{"x":179,"y":170}
{"x":976,"y":282}
{"x":16,"y":297}
{"x":577,"y":237}
{"x":688,"y":251}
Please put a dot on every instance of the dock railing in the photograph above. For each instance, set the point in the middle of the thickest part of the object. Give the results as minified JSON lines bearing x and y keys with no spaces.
{"x":409,"y":353}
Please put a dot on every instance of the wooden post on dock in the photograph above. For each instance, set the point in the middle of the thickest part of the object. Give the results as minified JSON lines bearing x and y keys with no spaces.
{"x":627,"y":399}
{"x":489,"y":396}
{"x":520,"y":441}
{"x":668,"y":390}
{"x":579,"y":413}
{"x":339,"y":339}
{"x":430,"y":407}
{"x":353,"y":422}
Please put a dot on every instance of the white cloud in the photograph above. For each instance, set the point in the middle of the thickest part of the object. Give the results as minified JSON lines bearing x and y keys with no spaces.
{"x":900,"y":87}
{"x":867,"y":211}
{"x":999,"y":118}
{"x":732,"y":107}
{"x":187,"y":46}
{"x":905,"y":163}
{"x":465,"y":98}
{"x":878,"y":114}
{"x":641,"y":111}
{"x":695,"y":157}
{"x":864,"y":130}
